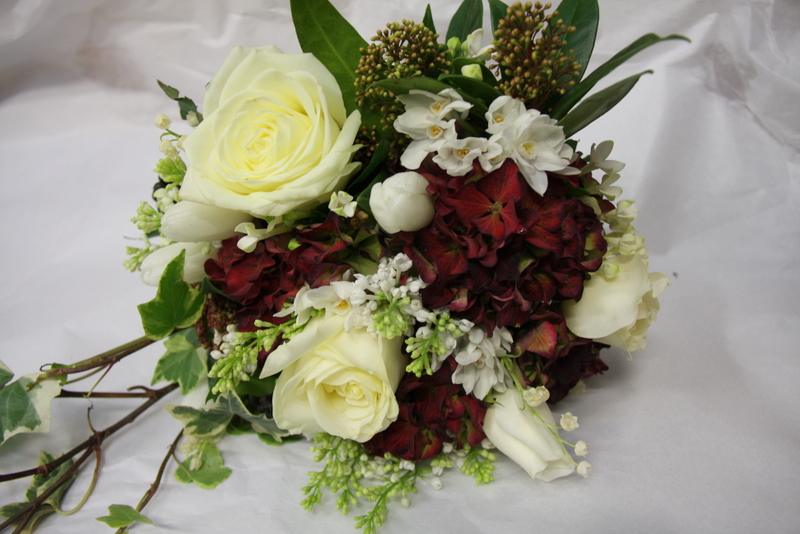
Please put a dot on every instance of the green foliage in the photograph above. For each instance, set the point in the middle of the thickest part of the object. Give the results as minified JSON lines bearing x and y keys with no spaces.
{"x":184,"y":362}
{"x":324,"y":32}
{"x":584,"y":16}
{"x":204,"y":467}
{"x":467,"y":18}
{"x":176,"y":304}
{"x":598,"y":104}
{"x":5,"y":374}
{"x":427,"y":20}
{"x":579,"y":91}
{"x":40,"y":484}
{"x":122,"y":515}
{"x":497,"y":11}
{"x":212,"y":421}
{"x":25,"y":405}
{"x":171,"y":170}
{"x":185,"y":104}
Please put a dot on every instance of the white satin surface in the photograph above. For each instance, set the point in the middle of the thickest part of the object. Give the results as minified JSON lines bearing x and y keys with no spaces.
{"x":698,"y":433}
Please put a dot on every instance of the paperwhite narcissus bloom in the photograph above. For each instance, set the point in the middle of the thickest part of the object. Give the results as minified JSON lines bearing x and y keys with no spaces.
{"x":275,"y":137}
{"x":429,"y":120}
{"x":617,"y":309}
{"x":192,"y":222}
{"x":336,"y":381}
{"x":526,"y":438}
{"x":193,"y":271}
{"x":456,"y":156}
{"x":532,"y":140}
{"x":401,"y":203}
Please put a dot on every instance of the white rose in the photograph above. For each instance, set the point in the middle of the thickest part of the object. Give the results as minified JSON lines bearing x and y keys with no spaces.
{"x":525,"y":438}
{"x":275,"y":135}
{"x":193,"y":268}
{"x":401,"y":203}
{"x":617,"y":310}
{"x":193,"y":222}
{"x":336,"y":381}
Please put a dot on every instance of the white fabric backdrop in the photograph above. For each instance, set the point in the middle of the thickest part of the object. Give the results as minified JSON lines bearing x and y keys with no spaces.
{"x":699,"y":433}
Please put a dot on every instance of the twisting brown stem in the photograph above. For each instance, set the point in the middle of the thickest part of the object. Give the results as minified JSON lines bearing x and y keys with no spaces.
{"x":106,"y":358}
{"x":94,"y":439}
{"x":157,"y":482}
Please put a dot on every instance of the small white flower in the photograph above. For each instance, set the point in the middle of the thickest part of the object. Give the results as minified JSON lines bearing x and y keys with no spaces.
{"x":479,"y":367}
{"x":342,"y":204}
{"x":581,"y":448}
{"x":536,"y":396}
{"x":436,"y":483}
{"x":192,"y":118}
{"x":584,"y":468}
{"x":457,"y":157}
{"x":569,"y":422}
{"x":168,"y":149}
{"x":162,"y":121}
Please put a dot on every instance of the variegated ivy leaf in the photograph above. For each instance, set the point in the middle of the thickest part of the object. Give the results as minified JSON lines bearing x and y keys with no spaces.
{"x":122,"y":515}
{"x":184,"y":362}
{"x":212,"y":421}
{"x":39,"y":484}
{"x":204,"y":467}
{"x":5,"y":374}
{"x":25,"y":405}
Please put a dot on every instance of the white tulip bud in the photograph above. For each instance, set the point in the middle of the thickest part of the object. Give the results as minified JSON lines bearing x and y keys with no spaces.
{"x":193,"y":222}
{"x":401,"y":203}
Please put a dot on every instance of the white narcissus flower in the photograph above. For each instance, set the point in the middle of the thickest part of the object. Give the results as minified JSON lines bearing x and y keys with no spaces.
{"x":275,"y":135}
{"x":193,"y":268}
{"x":532,"y":140}
{"x":429,"y":120}
{"x":456,"y":156}
{"x":193,"y":222}
{"x":401,"y":203}
{"x":336,"y":381}
{"x":617,"y":310}
{"x":526,"y":438}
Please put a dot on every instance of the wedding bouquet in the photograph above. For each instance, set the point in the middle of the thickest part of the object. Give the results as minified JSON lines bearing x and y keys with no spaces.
{"x":396,"y":248}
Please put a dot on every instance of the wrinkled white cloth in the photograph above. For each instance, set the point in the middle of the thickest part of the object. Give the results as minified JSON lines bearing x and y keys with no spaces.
{"x":698,"y":433}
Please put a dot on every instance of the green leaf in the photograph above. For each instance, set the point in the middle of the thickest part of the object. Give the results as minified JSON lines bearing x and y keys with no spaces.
{"x":467,"y":18}
{"x":401,"y":86}
{"x":569,"y":100}
{"x":211,"y":422}
{"x":367,"y":173}
{"x":39,"y":484}
{"x":122,"y":515}
{"x":324,"y":32}
{"x":257,"y":387}
{"x":474,"y":88}
{"x":25,"y":405}
{"x":204,"y":467}
{"x":598,"y":104}
{"x":176,"y":305}
{"x":497,"y":11}
{"x":171,"y":170}
{"x":427,"y":20}
{"x":184,"y":362}
{"x":269,"y":440}
{"x":185,"y":104}
{"x":584,"y":16}
{"x":5,"y":374}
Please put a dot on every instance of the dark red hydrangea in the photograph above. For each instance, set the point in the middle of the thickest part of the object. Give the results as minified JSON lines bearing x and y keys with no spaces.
{"x":262,"y":280}
{"x":554,"y":356}
{"x":497,"y":251}
{"x":433,"y":411}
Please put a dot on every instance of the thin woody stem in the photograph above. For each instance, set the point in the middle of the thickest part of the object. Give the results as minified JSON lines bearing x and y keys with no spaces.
{"x":106,"y":358}
{"x":95,"y":439}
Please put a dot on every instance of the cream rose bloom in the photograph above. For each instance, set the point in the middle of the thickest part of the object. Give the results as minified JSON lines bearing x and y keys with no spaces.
{"x":275,"y":135}
{"x":336,"y":381}
{"x":525,"y":438}
{"x":617,"y":310}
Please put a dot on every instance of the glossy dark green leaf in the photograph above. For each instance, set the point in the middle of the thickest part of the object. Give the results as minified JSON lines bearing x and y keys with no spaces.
{"x":366,"y":174}
{"x":584,"y":16}
{"x":427,"y":20}
{"x":579,"y":91}
{"x":324,"y":32}
{"x":472,"y":87}
{"x":598,"y":104}
{"x":497,"y":11}
{"x":467,"y":18}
